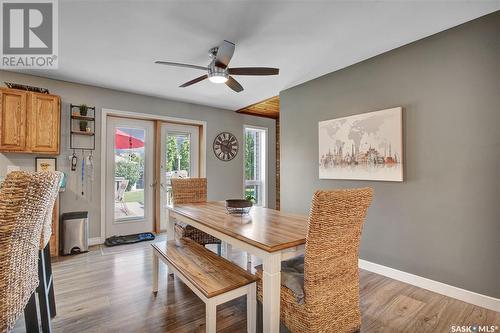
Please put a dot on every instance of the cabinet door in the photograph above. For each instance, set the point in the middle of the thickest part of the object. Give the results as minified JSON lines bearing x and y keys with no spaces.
{"x":44,"y":117}
{"x":12,"y":120}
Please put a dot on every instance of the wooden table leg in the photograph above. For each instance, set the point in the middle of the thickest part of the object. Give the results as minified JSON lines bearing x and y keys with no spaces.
{"x":156,"y":262}
{"x":271,"y":287}
{"x":210,"y":316}
{"x":170,"y":236}
{"x":227,"y":250}
{"x":170,"y":228}
{"x":251,"y":308}
{"x":223,"y":249}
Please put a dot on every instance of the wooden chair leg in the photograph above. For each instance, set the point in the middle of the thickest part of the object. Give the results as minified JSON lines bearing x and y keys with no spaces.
{"x":31,"y":316}
{"x":42,"y":290}
{"x":52,"y":300}
{"x":50,"y":279}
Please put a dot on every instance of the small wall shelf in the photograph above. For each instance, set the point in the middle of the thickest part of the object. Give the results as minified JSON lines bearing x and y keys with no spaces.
{"x":83,"y":133}
{"x":82,"y":118}
{"x":75,"y":119}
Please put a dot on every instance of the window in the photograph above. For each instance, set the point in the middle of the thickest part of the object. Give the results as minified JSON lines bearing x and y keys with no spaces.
{"x":129,"y":157}
{"x":255,"y":166}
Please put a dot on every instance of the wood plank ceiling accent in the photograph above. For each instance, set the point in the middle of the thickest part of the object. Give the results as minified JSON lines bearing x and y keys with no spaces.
{"x":269,"y":108}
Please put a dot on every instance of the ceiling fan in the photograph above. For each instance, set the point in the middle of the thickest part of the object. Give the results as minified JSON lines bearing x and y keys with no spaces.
{"x":218,"y":70}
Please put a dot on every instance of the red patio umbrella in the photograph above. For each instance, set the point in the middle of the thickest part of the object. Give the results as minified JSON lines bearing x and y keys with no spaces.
{"x":126,"y":141}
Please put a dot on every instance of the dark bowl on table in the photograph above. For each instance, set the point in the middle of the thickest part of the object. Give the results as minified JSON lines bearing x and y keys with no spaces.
{"x":238,"y":206}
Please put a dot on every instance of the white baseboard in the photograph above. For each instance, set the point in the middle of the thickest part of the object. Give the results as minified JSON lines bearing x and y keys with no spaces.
{"x":435,"y":286}
{"x":96,"y":241}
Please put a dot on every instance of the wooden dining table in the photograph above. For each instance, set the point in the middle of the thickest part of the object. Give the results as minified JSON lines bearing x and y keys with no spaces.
{"x":266,"y":233}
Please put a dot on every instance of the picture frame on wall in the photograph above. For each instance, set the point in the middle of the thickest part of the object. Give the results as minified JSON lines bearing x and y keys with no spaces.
{"x":45,"y":164}
{"x":367,"y":146}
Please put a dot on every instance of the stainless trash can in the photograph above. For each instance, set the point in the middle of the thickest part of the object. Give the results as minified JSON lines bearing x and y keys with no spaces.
{"x":75,"y":230}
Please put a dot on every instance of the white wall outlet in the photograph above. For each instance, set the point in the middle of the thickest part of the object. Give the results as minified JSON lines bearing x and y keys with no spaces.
{"x":11,"y":168}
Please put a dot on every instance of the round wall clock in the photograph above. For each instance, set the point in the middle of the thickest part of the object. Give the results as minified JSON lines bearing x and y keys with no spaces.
{"x":225,"y":146}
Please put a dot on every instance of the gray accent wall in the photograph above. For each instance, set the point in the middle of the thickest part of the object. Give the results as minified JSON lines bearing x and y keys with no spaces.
{"x":225,"y":179}
{"x":443,"y":221}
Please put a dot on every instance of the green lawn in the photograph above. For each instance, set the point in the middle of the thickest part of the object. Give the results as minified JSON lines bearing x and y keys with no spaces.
{"x":134,"y":196}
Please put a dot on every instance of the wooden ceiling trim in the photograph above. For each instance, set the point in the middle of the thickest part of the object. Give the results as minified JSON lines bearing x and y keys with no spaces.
{"x":269,"y":108}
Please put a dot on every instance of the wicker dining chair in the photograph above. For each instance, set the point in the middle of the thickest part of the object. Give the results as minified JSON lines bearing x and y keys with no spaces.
{"x":192,"y":190}
{"x":24,"y":200}
{"x":330,"y":270}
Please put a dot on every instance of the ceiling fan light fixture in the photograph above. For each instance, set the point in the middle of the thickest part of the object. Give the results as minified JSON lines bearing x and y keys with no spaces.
{"x":217,"y":74}
{"x":218,"y":78}
{"x":218,"y":71}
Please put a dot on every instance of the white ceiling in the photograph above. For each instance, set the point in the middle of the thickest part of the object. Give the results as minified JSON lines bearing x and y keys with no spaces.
{"x":113,"y":44}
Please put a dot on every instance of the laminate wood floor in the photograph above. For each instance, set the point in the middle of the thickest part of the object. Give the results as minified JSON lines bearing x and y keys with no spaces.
{"x":109,"y":290}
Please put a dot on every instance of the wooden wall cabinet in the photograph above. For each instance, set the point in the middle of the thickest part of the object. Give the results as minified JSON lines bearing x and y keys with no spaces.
{"x":44,"y":117}
{"x":29,"y":122}
{"x":13,"y":120}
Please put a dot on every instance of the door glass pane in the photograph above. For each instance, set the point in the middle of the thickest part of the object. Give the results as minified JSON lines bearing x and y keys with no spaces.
{"x":178,"y":159}
{"x":129,"y":173}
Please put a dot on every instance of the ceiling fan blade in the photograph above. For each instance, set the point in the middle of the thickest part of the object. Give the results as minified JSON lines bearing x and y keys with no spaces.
{"x":178,"y":64}
{"x":253,"y":71}
{"x":224,"y":54}
{"x":233,"y":84}
{"x":198,"y":79}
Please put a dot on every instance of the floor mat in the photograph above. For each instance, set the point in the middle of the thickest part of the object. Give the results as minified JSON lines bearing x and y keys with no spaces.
{"x":129,"y":239}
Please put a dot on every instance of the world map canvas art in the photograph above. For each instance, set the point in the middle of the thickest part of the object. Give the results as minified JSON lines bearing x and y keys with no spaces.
{"x":367,"y":146}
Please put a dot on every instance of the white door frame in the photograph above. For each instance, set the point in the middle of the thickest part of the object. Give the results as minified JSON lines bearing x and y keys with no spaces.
{"x":137,"y":115}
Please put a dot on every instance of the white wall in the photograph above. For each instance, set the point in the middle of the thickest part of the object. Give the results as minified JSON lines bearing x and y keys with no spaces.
{"x":225,"y":179}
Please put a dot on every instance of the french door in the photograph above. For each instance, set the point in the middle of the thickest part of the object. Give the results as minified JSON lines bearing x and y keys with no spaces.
{"x":180,"y":153}
{"x":129,"y":176}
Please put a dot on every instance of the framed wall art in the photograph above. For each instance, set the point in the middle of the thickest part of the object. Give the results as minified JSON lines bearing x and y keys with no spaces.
{"x":366,"y":146}
{"x":45,"y":164}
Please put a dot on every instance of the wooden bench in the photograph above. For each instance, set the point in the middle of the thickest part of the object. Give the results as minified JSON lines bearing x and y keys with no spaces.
{"x":214,"y":279}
